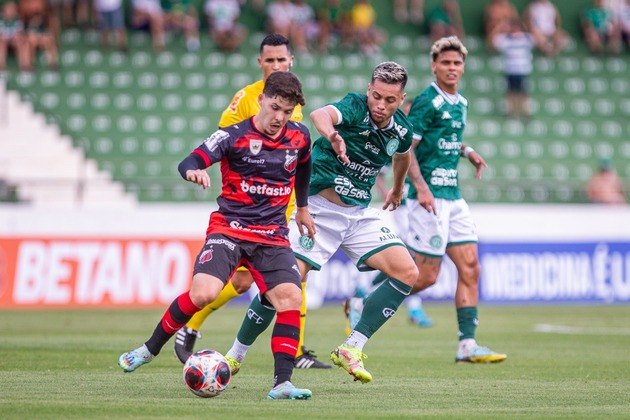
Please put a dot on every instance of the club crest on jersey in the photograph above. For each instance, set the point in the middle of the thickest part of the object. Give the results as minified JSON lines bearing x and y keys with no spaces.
{"x":290,"y":161}
{"x":435,"y":241}
{"x":392,"y":146}
{"x":205,"y":256}
{"x":306,"y":243}
{"x":255,"y":146}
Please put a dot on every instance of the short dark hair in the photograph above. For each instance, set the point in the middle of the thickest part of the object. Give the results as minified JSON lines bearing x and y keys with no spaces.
{"x":274,"y":40}
{"x":391,"y":73}
{"x":286,"y":85}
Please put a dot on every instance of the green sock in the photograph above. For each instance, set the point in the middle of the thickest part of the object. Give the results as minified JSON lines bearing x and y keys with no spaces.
{"x":381,"y":305}
{"x":257,"y":319}
{"x":380,"y":277}
{"x":467,"y":321}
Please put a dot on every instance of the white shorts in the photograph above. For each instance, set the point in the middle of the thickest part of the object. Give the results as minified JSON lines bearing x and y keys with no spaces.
{"x":430,"y":234}
{"x":359,"y":231}
{"x":400,"y":220}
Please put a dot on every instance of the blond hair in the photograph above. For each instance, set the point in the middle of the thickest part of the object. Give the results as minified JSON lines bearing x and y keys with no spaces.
{"x":391,"y":73}
{"x":449,"y":43}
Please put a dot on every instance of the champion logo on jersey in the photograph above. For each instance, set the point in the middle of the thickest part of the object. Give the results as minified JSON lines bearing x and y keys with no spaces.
{"x":255,"y":146}
{"x":446,"y":115}
{"x":365,"y":133}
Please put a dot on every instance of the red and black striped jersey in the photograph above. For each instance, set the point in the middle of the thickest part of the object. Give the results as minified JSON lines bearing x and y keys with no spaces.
{"x":258,"y":177}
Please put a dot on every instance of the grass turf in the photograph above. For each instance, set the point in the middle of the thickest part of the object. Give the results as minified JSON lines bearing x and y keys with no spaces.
{"x":63,"y":364}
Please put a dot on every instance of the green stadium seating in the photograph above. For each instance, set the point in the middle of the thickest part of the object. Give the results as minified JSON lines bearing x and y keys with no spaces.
{"x":139,"y":114}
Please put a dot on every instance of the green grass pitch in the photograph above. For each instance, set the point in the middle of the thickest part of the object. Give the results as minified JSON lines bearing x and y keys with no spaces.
{"x":563,"y":361}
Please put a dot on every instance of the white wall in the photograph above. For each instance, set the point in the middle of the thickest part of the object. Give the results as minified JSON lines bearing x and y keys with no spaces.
{"x":495,"y":222}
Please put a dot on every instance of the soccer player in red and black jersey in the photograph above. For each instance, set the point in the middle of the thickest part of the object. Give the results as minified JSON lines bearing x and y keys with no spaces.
{"x":262,"y":160}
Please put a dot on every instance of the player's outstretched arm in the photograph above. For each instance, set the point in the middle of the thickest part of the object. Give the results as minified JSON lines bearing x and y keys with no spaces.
{"x":476,"y":159}
{"x":304,"y":222}
{"x":193,"y":169}
{"x":425,"y":196}
{"x":303,"y":218}
{"x":400,"y":165}
{"x":324,"y":120}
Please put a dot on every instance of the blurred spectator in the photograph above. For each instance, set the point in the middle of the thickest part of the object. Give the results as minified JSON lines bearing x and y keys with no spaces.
{"x":181,"y":15}
{"x":544,"y":23}
{"x":409,"y":11}
{"x":305,"y":28}
{"x":623,"y":19}
{"x":35,"y":16}
{"x":516,"y":48}
{"x":30,"y":8}
{"x":366,"y":33}
{"x":280,"y":17}
{"x":605,"y":186}
{"x":67,"y":13}
{"x":147,"y":14}
{"x":334,"y":21}
{"x":13,"y":36}
{"x":445,"y":20}
{"x":223,"y":24}
{"x":111,"y":22}
{"x":600,"y":29}
{"x":83,"y":13}
{"x":61,"y":15}
{"x":498,"y":15}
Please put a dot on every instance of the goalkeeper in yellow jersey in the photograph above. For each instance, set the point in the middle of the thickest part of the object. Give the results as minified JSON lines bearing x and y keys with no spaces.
{"x":275,"y":55}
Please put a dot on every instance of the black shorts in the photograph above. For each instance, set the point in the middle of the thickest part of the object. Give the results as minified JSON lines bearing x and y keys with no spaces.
{"x":270,"y":265}
{"x":516,"y":83}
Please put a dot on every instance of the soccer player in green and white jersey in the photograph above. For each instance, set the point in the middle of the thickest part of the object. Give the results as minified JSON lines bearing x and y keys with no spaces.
{"x":439,"y":219}
{"x":360,"y":134}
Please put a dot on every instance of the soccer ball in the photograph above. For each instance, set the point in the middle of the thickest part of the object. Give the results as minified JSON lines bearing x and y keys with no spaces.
{"x":207,"y":373}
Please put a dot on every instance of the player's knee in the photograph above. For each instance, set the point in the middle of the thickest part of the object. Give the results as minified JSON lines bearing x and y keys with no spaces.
{"x":408,"y":274}
{"x":425,"y":280}
{"x":288,"y":299}
{"x":469,"y":272}
{"x":242,"y":281}
{"x":202,"y":296}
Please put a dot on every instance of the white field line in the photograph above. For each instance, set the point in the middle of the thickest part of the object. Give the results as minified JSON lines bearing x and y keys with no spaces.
{"x":565,"y":329}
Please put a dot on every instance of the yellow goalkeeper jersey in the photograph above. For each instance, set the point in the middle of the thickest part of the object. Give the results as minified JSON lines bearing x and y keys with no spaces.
{"x":245,"y":104}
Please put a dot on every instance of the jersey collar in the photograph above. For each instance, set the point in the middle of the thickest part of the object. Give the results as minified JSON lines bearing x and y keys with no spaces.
{"x":389,"y":125}
{"x":450,"y":98}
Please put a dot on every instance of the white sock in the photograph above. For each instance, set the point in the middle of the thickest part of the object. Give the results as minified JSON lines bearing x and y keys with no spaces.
{"x":356,"y":339}
{"x":466,"y":344}
{"x":238,"y":350}
{"x":413,"y":302}
{"x":144,"y":352}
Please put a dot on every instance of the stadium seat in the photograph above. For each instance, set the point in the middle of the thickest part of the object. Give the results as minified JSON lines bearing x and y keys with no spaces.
{"x":139,"y":113}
